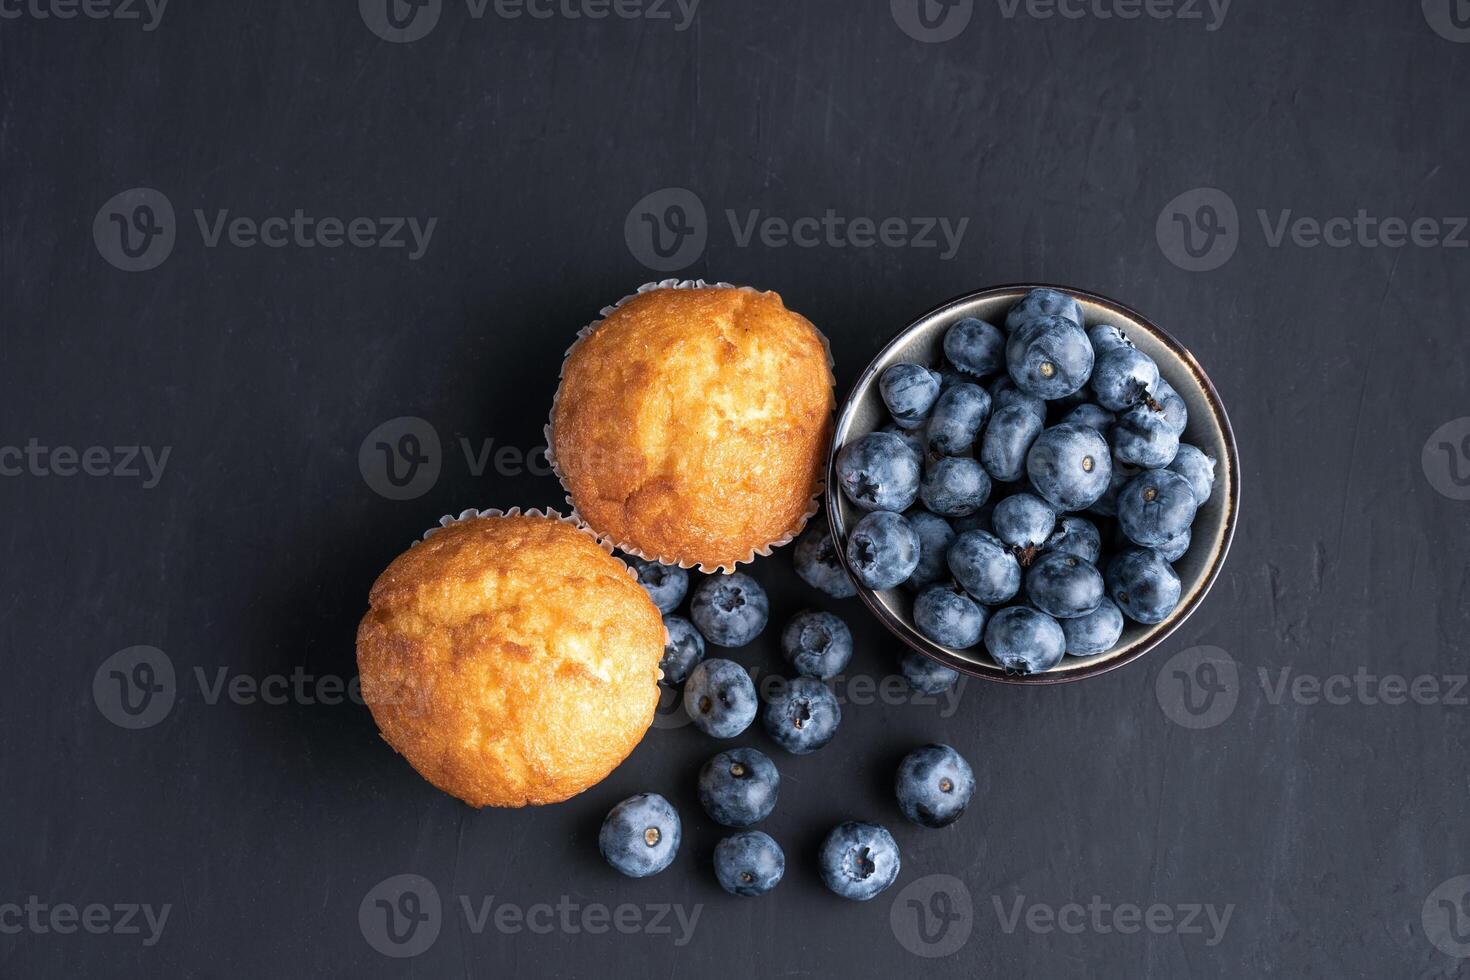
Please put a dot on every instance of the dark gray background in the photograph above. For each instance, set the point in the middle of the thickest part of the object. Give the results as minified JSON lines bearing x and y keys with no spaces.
{"x":1326,"y":826}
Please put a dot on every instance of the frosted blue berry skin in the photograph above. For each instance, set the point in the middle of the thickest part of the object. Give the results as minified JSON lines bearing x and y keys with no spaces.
{"x":858,"y":860}
{"x":641,"y":835}
{"x":749,"y":863}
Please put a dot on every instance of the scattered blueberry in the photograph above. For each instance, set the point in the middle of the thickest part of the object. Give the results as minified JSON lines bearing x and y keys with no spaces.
{"x":1049,"y":357}
{"x":1198,"y":468}
{"x":817,"y":644}
{"x":1075,"y":536}
{"x":882,"y":550}
{"x":1024,"y":521}
{"x":1023,"y":640}
{"x":934,"y":785}
{"x":935,"y":537}
{"x":975,"y":347}
{"x":1064,"y":586}
{"x":858,"y":860}
{"x":1123,"y":377}
{"x":985,"y":567}
{"x":1143,"y":585}
{"x":719,"y":698}
{"x":1096,"y":632}
{"x":730,"y":610}
{"x":749,"y":863}
{"x":949,"y":617}
{"x":954,"y":486}
{"x":665,"y":584}
{"x":739,"y":787}
{"x":640,"y":835}
{"x":684,"y":649}
{"x":818,"y":564}
{"x":879,"y":472}
{"x":958,"y":417}
{"x":1156,"y":506}
{"x":1070,"y":466}
{"x":802,"y":715}
{"x":1007,"y":440}
{"x":1041,"y":303}
{"x":909,"y":391}
{"x":927,"y":675}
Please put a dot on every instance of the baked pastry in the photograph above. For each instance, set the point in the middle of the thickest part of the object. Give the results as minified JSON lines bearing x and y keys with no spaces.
{"x":510,"y":659}
{"x":692,"y":425}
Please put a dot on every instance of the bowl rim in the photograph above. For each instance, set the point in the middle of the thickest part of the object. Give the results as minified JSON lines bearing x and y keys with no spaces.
{"x":1163,"y":630}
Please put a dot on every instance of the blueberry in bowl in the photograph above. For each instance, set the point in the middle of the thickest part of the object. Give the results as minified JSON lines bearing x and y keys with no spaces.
{"x":1113,"y":485}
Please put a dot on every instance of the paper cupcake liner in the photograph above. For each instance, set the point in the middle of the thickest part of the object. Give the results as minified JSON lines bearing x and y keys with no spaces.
{"x":608,"y":540}
{"x":475,"y":513}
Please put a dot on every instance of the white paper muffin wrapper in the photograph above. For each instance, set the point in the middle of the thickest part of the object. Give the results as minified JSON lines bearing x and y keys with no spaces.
{"x":623,"y":546}
{"x":475,"y":513}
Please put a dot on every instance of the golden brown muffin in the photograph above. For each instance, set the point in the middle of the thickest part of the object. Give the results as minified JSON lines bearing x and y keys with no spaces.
{"x":510,"y":659}
{"x":692,"y":425}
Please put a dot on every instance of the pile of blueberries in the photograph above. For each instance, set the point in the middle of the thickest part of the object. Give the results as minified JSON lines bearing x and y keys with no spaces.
{"x":738,"y":787}
{"x":976,"y":492}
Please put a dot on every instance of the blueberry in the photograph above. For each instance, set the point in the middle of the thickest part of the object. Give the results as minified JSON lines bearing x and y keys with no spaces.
{"x":1075,"y":536}
{"x":802,"y":715}
{"x":1156,"y":506}
{"x":1176,"y":547}
{"x":879,"y":472}
{"x":954,"y":486}
{"x":1093,"y":416}
{"x":975,"y":347}
{"x":1070,"y":466}
{"x":858,"y":860}
{"x":934,"y":785}
{"x":1024,"y":521}
{"x":1004,"y":394}
{"x":1107,"y":504}
{"x":909,"y":391}
{"x":916,"y":439}
{"x":684,"y":649}
{"x":927,"y":675}
{"x":959,"y":415}
{"x":1024,"y":640}
{"x":640,"y":835}
{"x":1175,"y":412}
{"x":750,"y":863}
{"x":818,"y":563}
{"x":1123,"y":377}
{"x":1094,"y":633}
{"x":947,"y":616}
{"x":978,"y":521}
{"x":1064,"y":586}
{"x":719,"y":698}
{"x":1007,"y":440}
{"x":1143,"y":438}
{"x":665,"y":584}
{"x":1049,"y":357}
{"x":739,"y":787}
{"x":1196,"y":466}
{"x":882,"y":550}
{"x":935,"y":537}
{"x":730,"y":610}
{"x":985,"y":567}
{"x":1105,"y":337}
{"x":1143,"y":585}
{"x":817,"y":644}
{"x":1043,"y":302}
